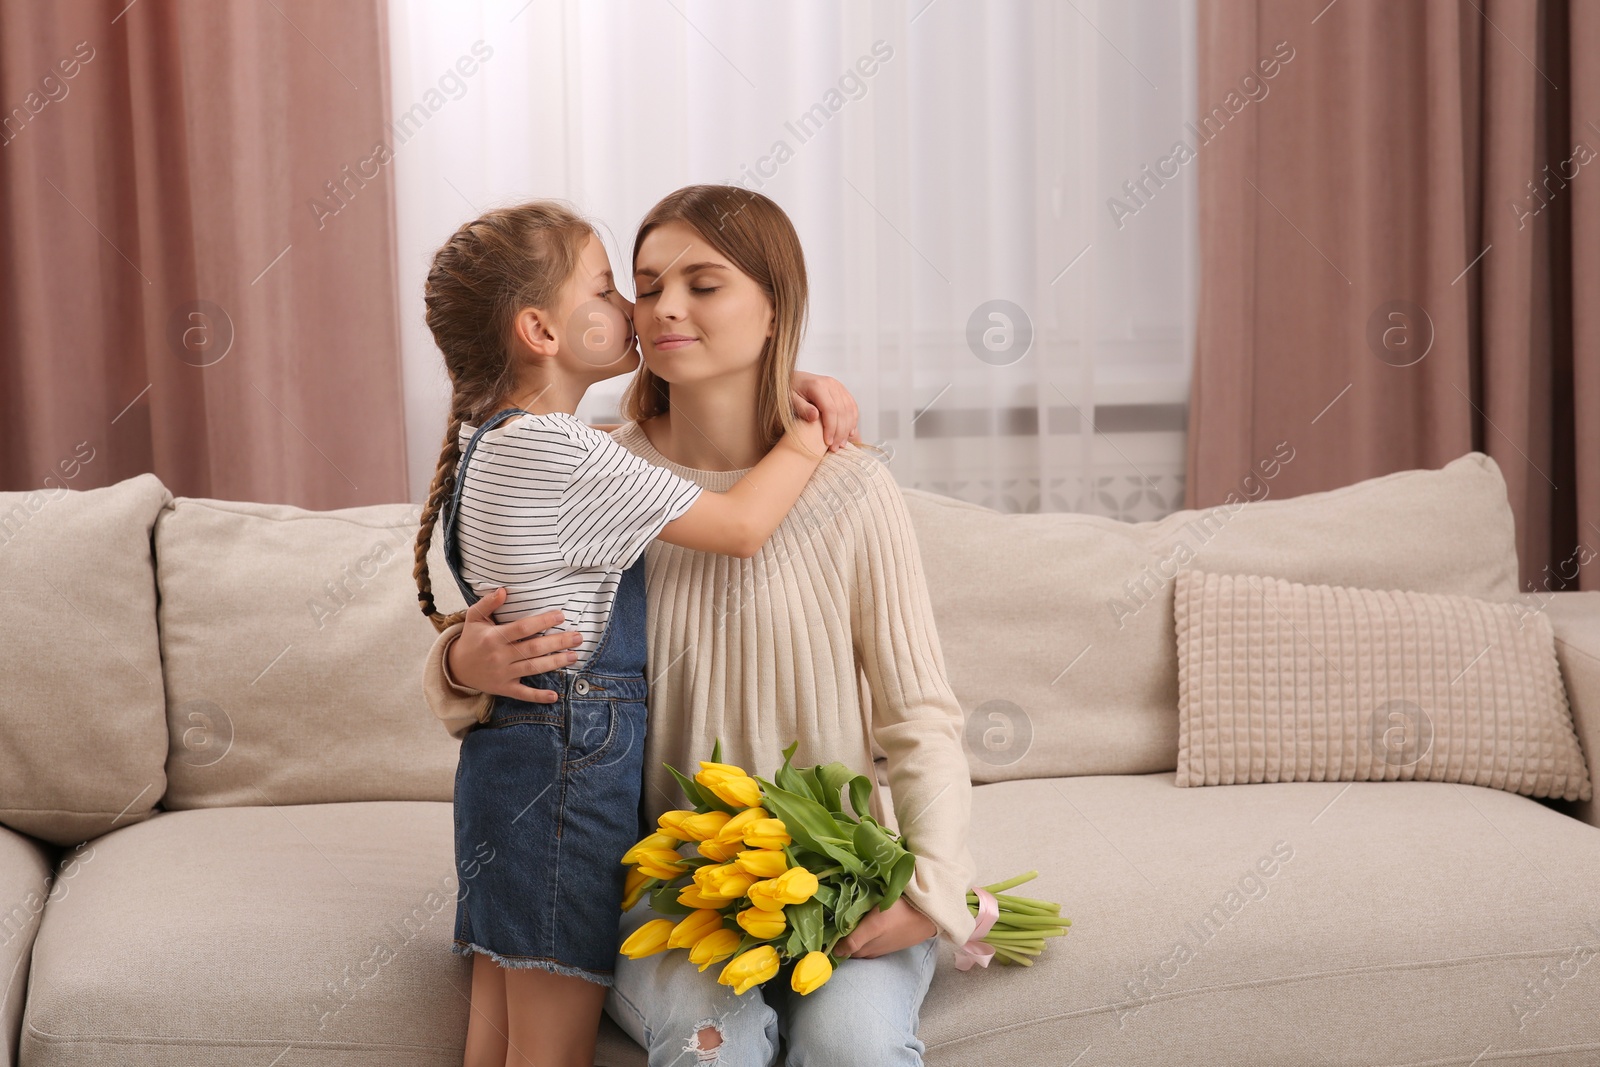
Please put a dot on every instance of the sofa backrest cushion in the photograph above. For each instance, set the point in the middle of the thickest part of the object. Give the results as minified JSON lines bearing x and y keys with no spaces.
{"x":294,"y":645}
{"x":1058,"y":632}
{"x":83,"y":737}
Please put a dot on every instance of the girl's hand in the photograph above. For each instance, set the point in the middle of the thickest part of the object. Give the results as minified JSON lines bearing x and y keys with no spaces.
{"x":494,"y":658}
{"x":819,"y":396}
{"x":883,"y":932}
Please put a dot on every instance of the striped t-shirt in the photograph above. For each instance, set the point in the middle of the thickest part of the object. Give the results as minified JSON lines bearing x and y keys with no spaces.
{"x":554,"y":510}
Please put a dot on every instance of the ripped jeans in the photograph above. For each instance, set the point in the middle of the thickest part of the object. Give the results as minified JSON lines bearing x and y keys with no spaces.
{"x":865,"y":1015}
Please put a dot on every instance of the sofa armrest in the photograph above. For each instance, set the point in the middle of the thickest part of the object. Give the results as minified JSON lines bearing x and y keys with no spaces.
{"x":1576,"y":619}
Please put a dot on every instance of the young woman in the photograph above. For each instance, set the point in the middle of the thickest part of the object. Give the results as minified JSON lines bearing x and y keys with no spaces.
{"x":764,"y":651}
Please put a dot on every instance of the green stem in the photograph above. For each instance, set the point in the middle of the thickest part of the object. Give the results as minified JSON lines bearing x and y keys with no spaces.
{"x":1027,"y":922}
{"x":1002,"y":937}
{"x":1029,"y":935}
{"x":1028,"y":904}
{"x":1011,"y":903}
{"x":1015,"y":957}
{"x":1009,"y":883}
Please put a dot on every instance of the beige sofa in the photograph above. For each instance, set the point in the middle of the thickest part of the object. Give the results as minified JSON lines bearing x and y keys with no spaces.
{"x":227,"y":830}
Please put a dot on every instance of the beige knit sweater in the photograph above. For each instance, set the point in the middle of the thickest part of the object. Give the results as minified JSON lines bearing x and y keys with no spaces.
{"x":825,"y":636}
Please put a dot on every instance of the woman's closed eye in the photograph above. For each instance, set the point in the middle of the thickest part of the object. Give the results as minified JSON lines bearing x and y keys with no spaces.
{"x":692,"y":289}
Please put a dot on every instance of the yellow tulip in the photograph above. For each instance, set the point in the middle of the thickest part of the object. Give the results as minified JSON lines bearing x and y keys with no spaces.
{"x":652,"y":843}
{"x":693,"y":926}
{"x":811,"y":972}
{"x":731,"y":768}
{"x":714,"y":848}
{"x":671,"y":822}
{"x":735,"y":885}
{"x":691,"y":896}
{"x":707,"y":877}
{"x":723,"y":880}
{"x":733,"y":830}
{"x":730,"y":784}
{"x":762,"y":862}
{"x":794,"y":886}
{"x":706,"y":824}
{"x":762,"y":925}
{"x":750,"y":968}
{"x":767,"y":833}
{"x":765,"y":895}
{"x":648,"y":939}
{"x":634,"y":887}
{"x":714,"y":947}
{"x":660,"y":863}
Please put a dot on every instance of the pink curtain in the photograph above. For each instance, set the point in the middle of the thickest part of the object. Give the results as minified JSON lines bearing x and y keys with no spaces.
{"x":1400,"y":249}
{"x":197,"y":250}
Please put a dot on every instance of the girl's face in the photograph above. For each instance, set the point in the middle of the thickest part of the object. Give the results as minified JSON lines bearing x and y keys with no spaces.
{"x":595,"y":320}
{"x":697,"y":315}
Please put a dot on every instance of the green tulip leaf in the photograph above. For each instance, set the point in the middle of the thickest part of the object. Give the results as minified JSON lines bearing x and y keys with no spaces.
{"x":898,"y":879}
{"x":800,"y":780}
{"x":848,"y":915}
{"x":807,"y":921}
{"x":814,"y":786}
{"x":703,"y":799}
{"x":789,"y":778}
{"x":809,"y":823}
{"x":811,"y":861}
{"x":876,"y":848}
{"x":861,"y":795}
{"x":664,"y":901}
{"x":832,"y":778}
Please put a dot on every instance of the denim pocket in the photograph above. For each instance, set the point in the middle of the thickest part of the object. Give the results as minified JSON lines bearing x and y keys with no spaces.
{"x":591,"y":727}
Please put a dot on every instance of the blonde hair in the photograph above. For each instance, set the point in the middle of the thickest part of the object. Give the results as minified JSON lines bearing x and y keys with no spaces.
{"x":492,"y":267}
{"x":756,"y":236}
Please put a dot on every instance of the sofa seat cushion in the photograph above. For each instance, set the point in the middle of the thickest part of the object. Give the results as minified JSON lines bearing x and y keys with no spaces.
{"x":1284,"y":923}
{"x":26,"y":867}
{"x":232,"y":935}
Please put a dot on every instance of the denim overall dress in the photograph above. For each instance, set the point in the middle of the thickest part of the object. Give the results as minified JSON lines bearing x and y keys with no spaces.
{"x":547,"y":796}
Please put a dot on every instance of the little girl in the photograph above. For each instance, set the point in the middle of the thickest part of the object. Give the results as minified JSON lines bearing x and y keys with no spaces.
{"x":522,"y":304}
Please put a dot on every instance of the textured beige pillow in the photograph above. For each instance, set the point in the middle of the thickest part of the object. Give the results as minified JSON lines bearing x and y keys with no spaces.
{"x":293,"y":649}
{"x":1284,"y":682}
{"x":1057,"y":628}
{"x":83,"y":738}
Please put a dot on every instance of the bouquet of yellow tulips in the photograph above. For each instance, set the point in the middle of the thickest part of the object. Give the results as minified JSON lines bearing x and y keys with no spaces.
{"x":783,"y":873}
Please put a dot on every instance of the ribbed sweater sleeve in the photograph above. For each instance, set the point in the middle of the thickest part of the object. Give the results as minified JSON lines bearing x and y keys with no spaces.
{"x":456,"y":708}
{"x":915,"y":717}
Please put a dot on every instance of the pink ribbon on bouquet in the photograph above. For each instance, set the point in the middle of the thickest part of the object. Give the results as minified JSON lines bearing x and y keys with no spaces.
{"x":976,"y":950}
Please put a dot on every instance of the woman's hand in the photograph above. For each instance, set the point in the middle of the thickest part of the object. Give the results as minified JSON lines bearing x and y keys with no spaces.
{"x":494,"y":658}
{"x":883,"y":932}
{"x":819,"y":396}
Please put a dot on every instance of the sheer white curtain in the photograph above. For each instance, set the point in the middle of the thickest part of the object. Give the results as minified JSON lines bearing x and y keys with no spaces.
{"x":953,"y":168}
